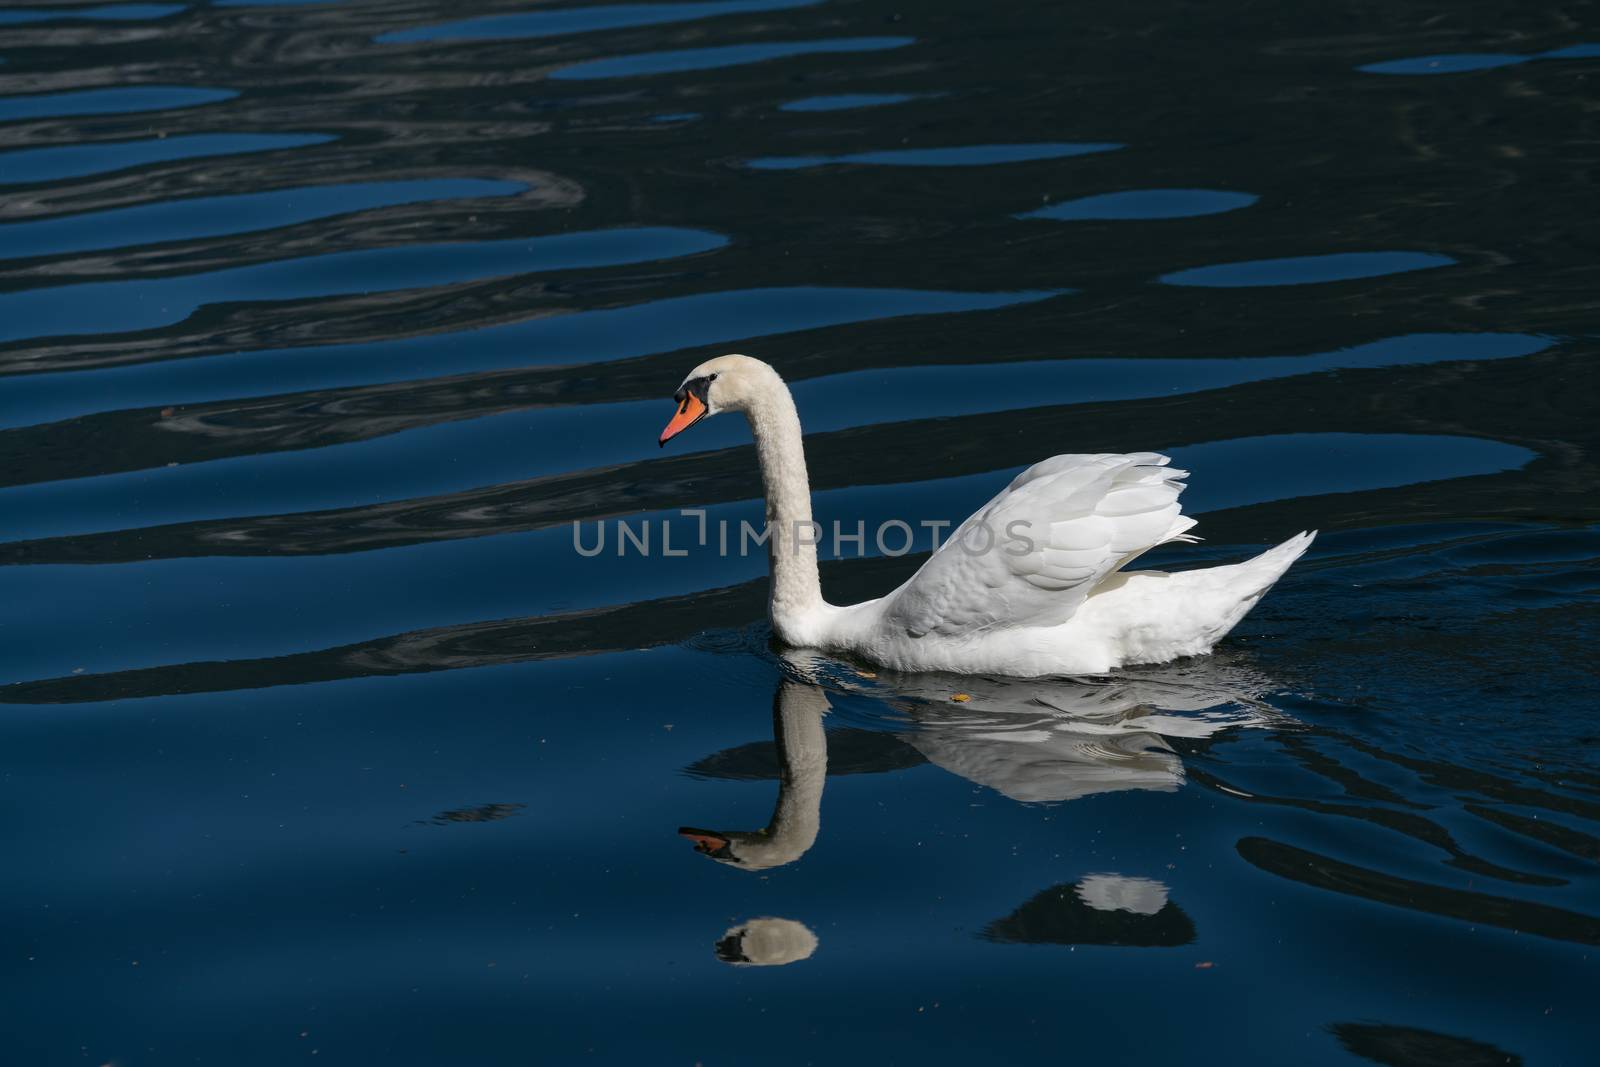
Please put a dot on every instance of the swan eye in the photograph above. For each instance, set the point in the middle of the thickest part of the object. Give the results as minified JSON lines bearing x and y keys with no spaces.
{"x":696,"y":387}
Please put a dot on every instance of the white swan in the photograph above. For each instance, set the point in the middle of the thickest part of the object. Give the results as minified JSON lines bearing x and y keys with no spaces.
{"x":1030,"y":585}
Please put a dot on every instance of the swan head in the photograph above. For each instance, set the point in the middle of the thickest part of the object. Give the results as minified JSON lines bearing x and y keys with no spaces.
{"x":727,"y":383}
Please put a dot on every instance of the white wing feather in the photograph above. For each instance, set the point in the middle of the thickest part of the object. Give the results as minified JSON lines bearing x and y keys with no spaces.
{"x":1033,"y":554}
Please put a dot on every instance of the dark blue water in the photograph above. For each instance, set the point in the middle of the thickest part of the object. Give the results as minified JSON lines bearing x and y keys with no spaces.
{"x":331,"y":332}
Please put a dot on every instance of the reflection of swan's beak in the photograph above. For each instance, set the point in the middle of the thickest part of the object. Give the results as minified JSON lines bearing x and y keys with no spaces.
{"x":708,"y":842}
{"x":690,"y":412}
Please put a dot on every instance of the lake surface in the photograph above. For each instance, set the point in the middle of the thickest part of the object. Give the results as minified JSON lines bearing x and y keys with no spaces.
{"x":322,"y":325}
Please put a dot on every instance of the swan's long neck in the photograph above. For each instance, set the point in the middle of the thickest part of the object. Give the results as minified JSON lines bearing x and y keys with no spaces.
{"x":796,"y":590}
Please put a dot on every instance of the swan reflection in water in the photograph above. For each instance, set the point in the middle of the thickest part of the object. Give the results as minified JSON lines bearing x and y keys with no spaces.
{"x":1053,"y":740}
{"x":766,"y":942}
{"x":1032,"y":740}
{"x":1099,"y":909}
{"x":802,"y":745}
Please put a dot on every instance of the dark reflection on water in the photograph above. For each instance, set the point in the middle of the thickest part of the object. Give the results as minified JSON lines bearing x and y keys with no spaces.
{"x":735,"y":55}
{"x":323,"y":322}
{"x":960,"y":156}
{"x":1102,"y":909}
{"x":1406,"y":1046}
{"x":1299,"y":865}
{"x":846,"y":101}
{"x":597,"y":435}
{"x":1457,"y":63}
{"x":1307,"y":270}
{"x":109,"y":101}
{"x":1145,"y":204}
{"x":76,"y":161}
{"x":215,"y":216}
{"x":606,"y":333}
{"x":103,"y":307}
{"x":595,"y":432}
{"x":1452,"y":64}
{"x":583,"y":20}
{"x":108,"y":12}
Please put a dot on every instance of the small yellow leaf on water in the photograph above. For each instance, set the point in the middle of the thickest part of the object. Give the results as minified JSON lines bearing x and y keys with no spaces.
{"x":961,"y":698}
{"x":866,"y":674}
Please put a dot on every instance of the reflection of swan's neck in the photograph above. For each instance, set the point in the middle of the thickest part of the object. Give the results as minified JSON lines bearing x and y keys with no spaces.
{"x":802,"y":745}
{"x":803,"y":769}
{"x":802,"y":772}
{"x":792,"y":553}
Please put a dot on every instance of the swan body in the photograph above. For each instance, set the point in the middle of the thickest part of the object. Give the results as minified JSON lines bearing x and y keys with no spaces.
{"x":1030,"y":585}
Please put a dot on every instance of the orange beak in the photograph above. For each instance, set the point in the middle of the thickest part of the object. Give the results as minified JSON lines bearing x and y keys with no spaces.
{"x":690,"y":413}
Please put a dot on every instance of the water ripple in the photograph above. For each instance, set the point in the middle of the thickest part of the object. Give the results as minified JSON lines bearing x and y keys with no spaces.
{"x":78,"y":160}
{"x":551,"y":23}
{"x":1454,"y":63}
{"x":718,"y":57}
{"x":172,"y":220}
{"x":387,"y":440}
{"x":106,"y":307}
{"x":1462,"y":62}
{"x":848,"y":101}
{"x":982,"y":155}
{"x":585,"y":336}
{"x":1145,"y":204}
{"x":110,"y":101}
{"x":1306,"y":270}
{"x":108,"y":13}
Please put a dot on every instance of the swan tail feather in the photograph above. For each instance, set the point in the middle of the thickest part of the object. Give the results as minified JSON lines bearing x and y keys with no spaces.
{"x":1251,"y":579}
{"x":1159,"y":616}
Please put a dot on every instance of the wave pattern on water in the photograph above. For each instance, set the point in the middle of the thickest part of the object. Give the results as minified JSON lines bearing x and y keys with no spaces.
{"x":77,"y":161}
{"x":846,"y":101}
{"x":323,"y":325}
{"x":1145,"y":204}
{"x":214,"y":216}
{"x":1460,"y":62}
{"x":1307,"y":270}
{"x":106,"y":12}
{"x":583,"y":20}
{"x":104,"y":307}
{"x":719,"y":57}
{"x":109,"y":101}
{"x":957,"y":156}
